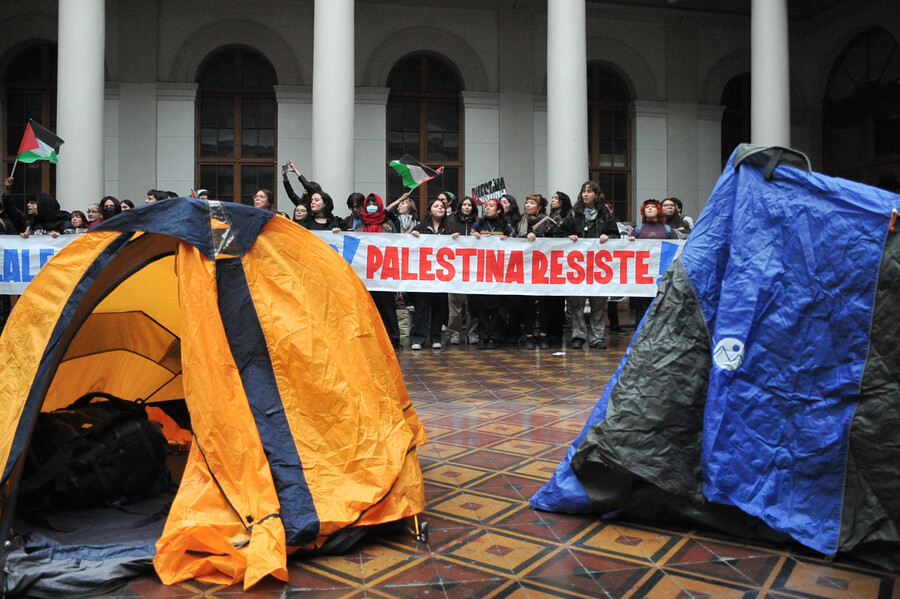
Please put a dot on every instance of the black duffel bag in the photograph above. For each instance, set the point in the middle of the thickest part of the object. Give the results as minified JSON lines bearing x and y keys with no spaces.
{"x":103,"y":452}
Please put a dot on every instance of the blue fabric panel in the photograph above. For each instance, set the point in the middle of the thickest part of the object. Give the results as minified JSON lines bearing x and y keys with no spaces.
{"x":251,"y":354}
{"x":188,"y":219}
{"x":564,"y":492}
{"x":52,"y":353}
{"x":786,"y":272}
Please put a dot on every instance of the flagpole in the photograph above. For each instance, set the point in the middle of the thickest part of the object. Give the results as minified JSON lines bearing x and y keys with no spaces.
{"x":13,"y":168}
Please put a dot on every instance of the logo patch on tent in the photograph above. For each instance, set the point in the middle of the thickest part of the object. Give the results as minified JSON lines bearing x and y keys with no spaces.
{"x":729,"y":353}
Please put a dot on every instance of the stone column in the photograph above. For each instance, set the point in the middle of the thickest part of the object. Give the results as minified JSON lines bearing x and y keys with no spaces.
{"x":79,"y":108}
{"x":770,"y":99}
{"x":567,"y":142}
{"x":333,"y":98}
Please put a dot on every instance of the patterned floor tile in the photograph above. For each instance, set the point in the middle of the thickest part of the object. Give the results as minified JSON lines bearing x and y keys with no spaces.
{"x":490,"y":448}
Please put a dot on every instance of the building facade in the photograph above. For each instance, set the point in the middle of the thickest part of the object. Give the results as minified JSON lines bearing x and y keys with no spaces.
{"x":177,"y":95}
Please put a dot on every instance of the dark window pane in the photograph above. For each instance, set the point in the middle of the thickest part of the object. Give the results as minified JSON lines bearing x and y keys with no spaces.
{"x":226,"y":112}
{"x":411,"y":144}
{"x":451,"y":147}
{"x":411,"y":116}
{"x":266,"y":113}
{"x":250,"y":143}
{"x":441,"y":80}
{"x":435,"y":146}
{"x":395,"y":145}
{"x":208,"y":144}
{"x":226,"y":143}
{"x":250,"y":113}
{"x":208,"y":112}
{"x":267,"y":143}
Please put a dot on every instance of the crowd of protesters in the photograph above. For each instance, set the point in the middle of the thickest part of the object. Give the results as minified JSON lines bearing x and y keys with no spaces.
{"x":485,"y":321}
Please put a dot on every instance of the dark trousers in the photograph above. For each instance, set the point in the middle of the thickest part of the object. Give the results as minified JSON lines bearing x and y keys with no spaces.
{"x":612,"y":310}
{"x":537,"y":309}
{"x":387,"y":309}
{"x":490,"y":321}
{"x":640,"y":305}
{"x":430,"y":314}
{"x":556,"y":311}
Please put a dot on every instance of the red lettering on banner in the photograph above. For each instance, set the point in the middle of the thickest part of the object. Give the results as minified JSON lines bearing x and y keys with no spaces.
{"x":445,"y":260}
{"x":539,"y":268}
{"x":622,"y":256}
{"x":374,"y":259}
{"x":391,"y":268}
{"x":479,"y":268}
{"x":425,"y":273}
{"x":556,"y":268}
{"x":406,"y":275}
{"x":601,"y":261}
{"x":493,"y":266}
{"x":589,"y":268}
{"x":576,"y":276}
{"x":642,"y":268}
{"x":466,"y":255}
{"x":515,"y":270}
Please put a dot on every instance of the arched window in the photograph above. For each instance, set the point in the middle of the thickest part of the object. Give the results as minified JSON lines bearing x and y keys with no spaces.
{"x":236,"y":125}
{"x":609,"y":137}
{"x":736,"y":118}
{"x":861,"y":111}
{"x":424,"y":120}
{"x":30,"y":84}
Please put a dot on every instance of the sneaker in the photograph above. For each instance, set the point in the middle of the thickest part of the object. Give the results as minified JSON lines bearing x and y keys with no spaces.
{"x":415,"y":346}
{"x":482,"y":345}
{"x":577,"y":343}
{"x":436,"y":345}
{"x":491,"y":344}
{"x":529,"y":343}
{"x":543,"y":343}
{"x":618,"y":330}
{"x":599,"y":344}
{"x":473,"y":339}
{"x":454,"y":339}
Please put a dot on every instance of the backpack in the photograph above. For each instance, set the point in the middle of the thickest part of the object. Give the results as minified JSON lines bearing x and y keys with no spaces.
{"x":94,"y":452}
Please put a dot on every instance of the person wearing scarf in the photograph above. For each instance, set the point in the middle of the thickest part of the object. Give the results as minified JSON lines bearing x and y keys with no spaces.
{"x":487,"y":307}
{"x":373,"y":219}
{"x":535,"y":223}
{"x":589,"y":219}
{"x":461,"y":223}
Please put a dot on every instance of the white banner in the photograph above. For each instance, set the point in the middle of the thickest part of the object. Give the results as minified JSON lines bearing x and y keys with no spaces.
{"x":439,"y":263}
{"x":23,"y":258}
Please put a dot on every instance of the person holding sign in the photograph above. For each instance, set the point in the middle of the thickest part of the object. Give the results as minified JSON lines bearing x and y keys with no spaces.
{"x":590,"y":219}
{"x":430,"y":308}
{"x":535,"y":223}
{"x":487,"y":307}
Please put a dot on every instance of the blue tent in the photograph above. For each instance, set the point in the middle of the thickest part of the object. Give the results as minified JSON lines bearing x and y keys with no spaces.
{"x":760,"y":394}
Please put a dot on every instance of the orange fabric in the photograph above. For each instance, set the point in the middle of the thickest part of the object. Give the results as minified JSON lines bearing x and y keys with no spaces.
{"x":346,"y":410}
{"x":201,"y":522}
{"x":175,"y":435}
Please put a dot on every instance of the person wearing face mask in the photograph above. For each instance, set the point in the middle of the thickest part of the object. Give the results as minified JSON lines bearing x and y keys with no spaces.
{"x":109,"y":207}
{"x":374,"y":219}
{"x":589,"y":219}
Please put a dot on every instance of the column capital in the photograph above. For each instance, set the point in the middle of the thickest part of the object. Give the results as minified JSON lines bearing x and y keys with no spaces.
{"x":372,"y":95}
{"x":177,"y":91}
{"x":293,"y":94}
{"x":480,"y":99}
{"x":648,"y":108}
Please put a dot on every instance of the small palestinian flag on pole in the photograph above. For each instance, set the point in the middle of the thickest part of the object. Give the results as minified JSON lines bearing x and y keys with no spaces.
{"x":413,"y":172}
{"x":37,"y":144}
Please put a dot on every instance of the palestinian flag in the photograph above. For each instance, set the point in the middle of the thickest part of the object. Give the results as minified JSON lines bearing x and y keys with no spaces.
{"x":414,"y":173}
{"x":38,"y":144}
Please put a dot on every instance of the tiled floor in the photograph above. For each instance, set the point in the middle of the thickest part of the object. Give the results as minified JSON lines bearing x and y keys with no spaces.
{"x":499,"y":422}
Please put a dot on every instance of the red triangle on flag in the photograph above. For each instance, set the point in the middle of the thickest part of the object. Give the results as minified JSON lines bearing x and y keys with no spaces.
{"x":29,"y":141}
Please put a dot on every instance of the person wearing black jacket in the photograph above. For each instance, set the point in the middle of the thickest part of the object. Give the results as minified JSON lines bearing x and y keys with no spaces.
{"x":320,"y":217}
{"x":589,"y":219}
{"x":309,"y":187}
{"x":42,"y":215}
{"x":461,"y":223}
{"x":487,"y":307}
{"x":430,"y":313}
